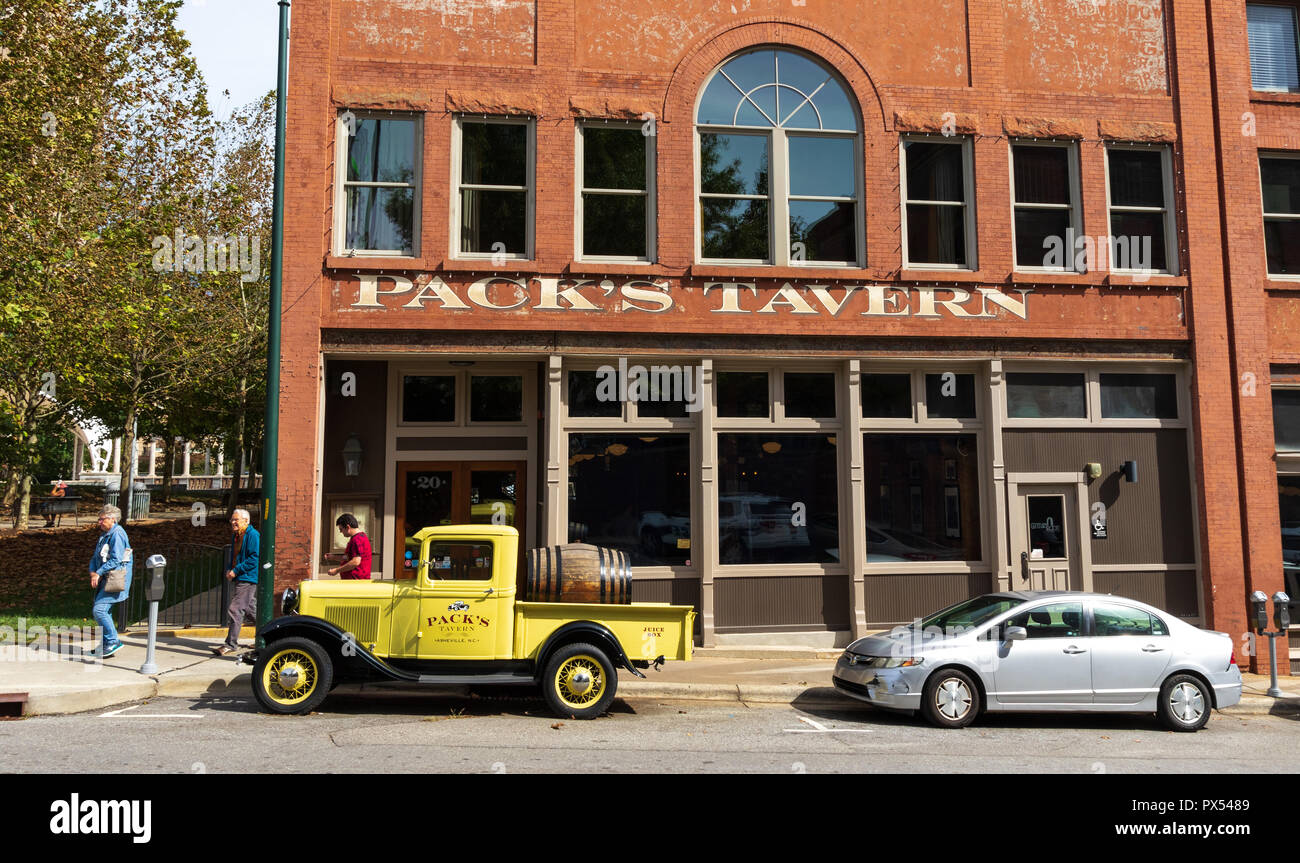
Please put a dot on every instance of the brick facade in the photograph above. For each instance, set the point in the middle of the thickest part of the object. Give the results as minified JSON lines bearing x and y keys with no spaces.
{"x":1138,"y":71}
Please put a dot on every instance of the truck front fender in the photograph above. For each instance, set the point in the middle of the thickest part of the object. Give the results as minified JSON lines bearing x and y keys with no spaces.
{"x":591,"y":632}
{"x":348,"y":654}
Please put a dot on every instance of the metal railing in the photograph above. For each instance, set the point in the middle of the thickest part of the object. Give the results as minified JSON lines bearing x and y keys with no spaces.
{"x":195,"y":591}
{"x":139,"y":502}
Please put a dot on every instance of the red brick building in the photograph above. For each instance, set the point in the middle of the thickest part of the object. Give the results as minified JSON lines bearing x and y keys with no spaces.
{"x":829,"y":314}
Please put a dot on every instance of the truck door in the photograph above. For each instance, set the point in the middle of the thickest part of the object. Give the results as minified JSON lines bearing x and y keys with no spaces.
{"x":460,"y":606}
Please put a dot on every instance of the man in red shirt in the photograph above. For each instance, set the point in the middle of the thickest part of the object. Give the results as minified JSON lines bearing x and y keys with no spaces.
{"x":357,"y":556}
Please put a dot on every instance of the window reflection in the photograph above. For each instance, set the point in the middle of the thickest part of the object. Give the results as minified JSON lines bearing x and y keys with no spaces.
{"x":922,"y":497}
{"x":777,"y":499}
{"x":632,"y":493}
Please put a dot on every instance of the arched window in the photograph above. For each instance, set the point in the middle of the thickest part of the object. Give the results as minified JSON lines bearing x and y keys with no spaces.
{"x":779,"y":155}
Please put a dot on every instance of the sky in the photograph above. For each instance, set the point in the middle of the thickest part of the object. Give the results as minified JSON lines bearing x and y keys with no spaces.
{"x":234,"y":43}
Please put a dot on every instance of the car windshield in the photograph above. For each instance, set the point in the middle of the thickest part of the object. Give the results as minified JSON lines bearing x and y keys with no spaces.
{"x":971,"y":613}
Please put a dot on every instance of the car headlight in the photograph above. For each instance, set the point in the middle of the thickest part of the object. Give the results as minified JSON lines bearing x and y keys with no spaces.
{"x":289,"y":601}
{"x":883,"y":661}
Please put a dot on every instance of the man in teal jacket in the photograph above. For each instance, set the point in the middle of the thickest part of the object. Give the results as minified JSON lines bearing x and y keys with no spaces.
{"x":243,"y":577}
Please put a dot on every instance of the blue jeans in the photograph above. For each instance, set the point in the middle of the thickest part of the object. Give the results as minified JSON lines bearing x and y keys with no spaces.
{"x":103,"y":614}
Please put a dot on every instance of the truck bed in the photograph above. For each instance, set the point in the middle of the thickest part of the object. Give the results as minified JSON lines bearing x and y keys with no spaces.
{"x":647,"y":630}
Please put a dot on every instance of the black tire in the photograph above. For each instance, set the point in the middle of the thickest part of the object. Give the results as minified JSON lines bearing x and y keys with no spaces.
{"x":292,"y":676}
{"x":579,"y":681}
{"x":1185,"y":703}
{"x":951,"y":699}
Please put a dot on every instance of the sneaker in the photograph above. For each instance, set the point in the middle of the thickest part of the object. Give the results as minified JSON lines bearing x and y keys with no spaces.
{"x":114,"y":649}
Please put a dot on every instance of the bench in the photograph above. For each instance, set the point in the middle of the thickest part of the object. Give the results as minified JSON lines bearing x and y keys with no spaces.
{"x":51,"y":506}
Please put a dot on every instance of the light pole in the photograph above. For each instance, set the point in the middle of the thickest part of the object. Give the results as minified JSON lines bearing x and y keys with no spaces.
{"x":271,"y":448}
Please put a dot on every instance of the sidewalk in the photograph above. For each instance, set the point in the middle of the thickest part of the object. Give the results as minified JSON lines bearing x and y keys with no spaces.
{"x":57,"y":684}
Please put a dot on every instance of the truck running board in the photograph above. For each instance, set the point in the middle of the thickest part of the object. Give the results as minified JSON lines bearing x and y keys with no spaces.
{"x":477,"y":679}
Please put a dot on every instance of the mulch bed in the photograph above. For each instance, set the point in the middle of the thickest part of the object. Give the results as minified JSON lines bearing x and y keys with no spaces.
{"x":38,"y":566}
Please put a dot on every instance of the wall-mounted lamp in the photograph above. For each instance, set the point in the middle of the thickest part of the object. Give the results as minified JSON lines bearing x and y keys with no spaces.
{"x":1130,"y":470}
{"x":352,"y":456}
{"x":1094,"y":470}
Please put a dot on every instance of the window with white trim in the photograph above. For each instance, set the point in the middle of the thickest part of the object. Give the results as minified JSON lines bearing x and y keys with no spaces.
{"x":616,"y":219}
{"x":938,"y":203}
{"x":493,"y":170}
{"x":1045,"y":195}
{"x":1139,"y":181}
{"x":1279,"y":181}
{"x":379,"y":181}
{"x":1274,"y":58}
{"x":779,"y":152}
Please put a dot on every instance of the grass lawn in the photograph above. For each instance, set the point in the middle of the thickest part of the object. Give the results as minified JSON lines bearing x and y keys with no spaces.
{"x":72,"y":609}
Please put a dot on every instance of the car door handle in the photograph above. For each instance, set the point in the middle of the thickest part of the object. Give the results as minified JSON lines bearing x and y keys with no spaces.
{"x":1072,"y":649}
{"x":1151,"y":648}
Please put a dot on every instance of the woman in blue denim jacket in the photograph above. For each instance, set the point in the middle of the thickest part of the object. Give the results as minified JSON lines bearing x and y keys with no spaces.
{"x":112,"y":551}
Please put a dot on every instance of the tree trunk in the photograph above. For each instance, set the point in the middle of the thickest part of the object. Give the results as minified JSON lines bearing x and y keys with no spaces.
{"x":12,"y":478}
{"x":233,"y":503}
{"x":169,"y":460}
{"x":127,"y":478}
{"x":29,"y":458}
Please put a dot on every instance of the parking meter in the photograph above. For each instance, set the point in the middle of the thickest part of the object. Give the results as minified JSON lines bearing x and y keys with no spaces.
{"x":1281,"y":610}
{"x":153,"y":592}
{"x":156,"y":564}
{"x":1259,"y":610}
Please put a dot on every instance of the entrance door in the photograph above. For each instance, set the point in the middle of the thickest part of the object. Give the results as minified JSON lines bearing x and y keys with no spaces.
{"x":436,"y":493}
{"x":1046,"y":538}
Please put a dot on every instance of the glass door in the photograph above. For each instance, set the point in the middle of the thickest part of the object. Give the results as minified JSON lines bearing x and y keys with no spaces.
{"x":438,"y":493}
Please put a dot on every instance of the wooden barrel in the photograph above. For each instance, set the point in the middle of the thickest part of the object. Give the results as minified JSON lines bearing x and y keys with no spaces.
{"x":578,"y":572}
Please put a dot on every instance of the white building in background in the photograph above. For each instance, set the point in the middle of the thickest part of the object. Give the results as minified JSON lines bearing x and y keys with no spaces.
{"x":97,"y":458}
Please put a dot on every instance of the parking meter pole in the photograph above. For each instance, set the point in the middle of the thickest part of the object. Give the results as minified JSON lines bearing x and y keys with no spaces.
{"x":1273,"y":689}
{"x":151,"y":667}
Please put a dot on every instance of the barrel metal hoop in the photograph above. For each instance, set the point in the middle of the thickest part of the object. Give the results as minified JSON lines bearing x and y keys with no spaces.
{"x":559,"y":574}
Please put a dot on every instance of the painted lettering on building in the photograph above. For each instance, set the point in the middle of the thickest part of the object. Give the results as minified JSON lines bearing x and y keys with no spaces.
{"x":525,"y":295}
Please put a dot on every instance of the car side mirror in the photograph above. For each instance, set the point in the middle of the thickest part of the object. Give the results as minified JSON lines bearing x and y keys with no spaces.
{"x":1015,"y":633}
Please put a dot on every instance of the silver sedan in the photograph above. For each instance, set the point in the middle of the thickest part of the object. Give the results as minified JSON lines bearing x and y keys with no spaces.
{"x":1045,"y":651}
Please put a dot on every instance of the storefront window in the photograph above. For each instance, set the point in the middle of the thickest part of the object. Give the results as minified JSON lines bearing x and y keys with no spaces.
{"x":1041,"y":394}
{"x":923,"y":498}
{"x":887,"y":396}
{"x":496,"y":398}
{"x":1288,"y":504}
{"x":950,"y":396}
{"x":742,"y":394}
{"x":428,"y":398}
{"x":1286,"y":419}
{"x":778,"y":499}
{"x":594,"y":395}
{"x":633,"y":493}
{"x":1139,"y":396}
{"x":810,"y":394}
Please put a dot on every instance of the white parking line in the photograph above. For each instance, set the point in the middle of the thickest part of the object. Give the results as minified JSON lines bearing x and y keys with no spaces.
{"x":149,"y":715}
{"x":818,"y":728}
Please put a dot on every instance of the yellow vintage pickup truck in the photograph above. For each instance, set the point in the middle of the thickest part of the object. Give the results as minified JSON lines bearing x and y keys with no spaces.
{"x":457,"y":620}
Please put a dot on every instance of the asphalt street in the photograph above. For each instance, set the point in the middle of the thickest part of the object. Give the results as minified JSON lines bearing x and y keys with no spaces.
{"x":470,"y":735}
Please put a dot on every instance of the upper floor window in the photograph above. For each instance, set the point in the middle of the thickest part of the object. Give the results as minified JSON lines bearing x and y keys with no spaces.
{"x":380,"y":184}
{"x":493,"y":165}
{"x":1140,"y":186}
{"x":779,"y":164}
{"x":1046,"y":196}
{"x":616,"y":199}
{"x":938,"y":199}
{"x":1274,"y":60}
{"x":1279,"y":180}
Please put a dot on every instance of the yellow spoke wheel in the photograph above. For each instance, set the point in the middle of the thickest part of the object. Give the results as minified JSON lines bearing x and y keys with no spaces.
{"x":292,"y":675}
{"x":580,"y":682}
